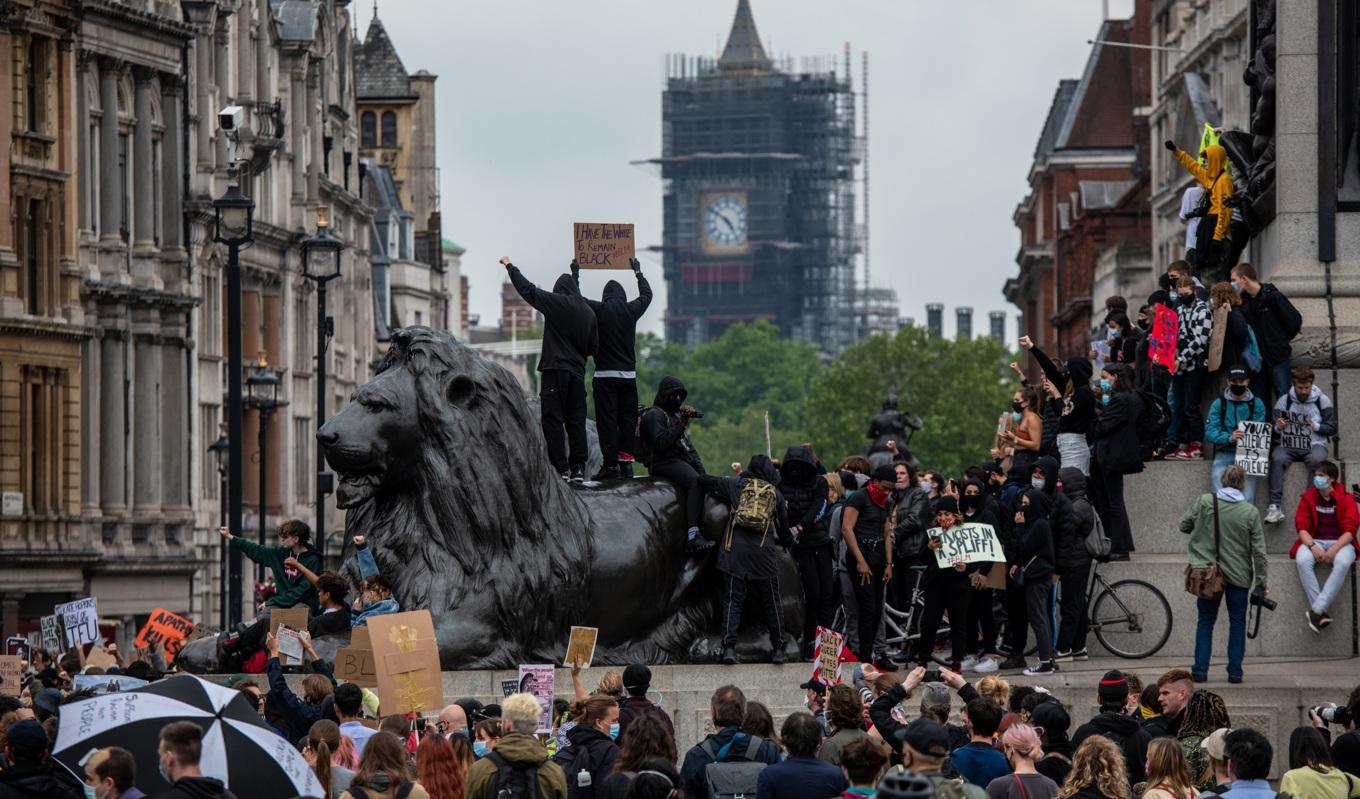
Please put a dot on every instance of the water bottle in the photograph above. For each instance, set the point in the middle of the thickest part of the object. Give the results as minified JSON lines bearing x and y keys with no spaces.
{"x":583,"y":779}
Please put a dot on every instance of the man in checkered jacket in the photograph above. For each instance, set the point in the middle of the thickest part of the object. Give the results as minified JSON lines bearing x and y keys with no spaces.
{"x":1195,"y":323}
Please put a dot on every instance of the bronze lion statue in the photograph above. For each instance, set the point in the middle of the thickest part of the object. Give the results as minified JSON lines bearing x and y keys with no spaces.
{"x":442,"y":465}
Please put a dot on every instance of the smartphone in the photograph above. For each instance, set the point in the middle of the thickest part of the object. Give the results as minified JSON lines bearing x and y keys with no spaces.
{"x":932,"y":675}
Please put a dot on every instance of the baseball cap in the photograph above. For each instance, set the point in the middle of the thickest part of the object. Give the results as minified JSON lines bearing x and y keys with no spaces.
{"x":927,"y":736}
{"x":637,"y":678}
{"x":814,"y":685}
{"x":1215,"y":742}
{"x":1237,"y":373}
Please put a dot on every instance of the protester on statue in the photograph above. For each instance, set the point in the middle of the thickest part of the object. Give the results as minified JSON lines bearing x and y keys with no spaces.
{"x":331,"y":589}
{"x":517,"y":746}
{"x":1213,"y":243}
{"x":112,"y":774}
{"x":614,"y":384}
{"x":746,"y":556}
{"x":868,"y":542}
{"x":29,"y":771}
{"x":1073,"y":386}
{"x":843,"y":566}
{"x":374,"y":599}
{"x":728,"y":708}
{"x":1112,"y":694}
{"x":1225,"y":427}
{"x":1326,"y":520}
{"x":292,"y":588}
{"x":805,"y":490}
{"x":1192,"y":349}
{"x":1115,"y":453}
{"x":1073,"y":567}
{"x":982,"y":656}
{"x":1190,"y":215}
{"x":802,"y":775}
{"x":663,"y":429}
{"x":179,"y":752}
{"x":1304,"y":421}
{"x":1275,"y":321}
{"x":570,"y":335}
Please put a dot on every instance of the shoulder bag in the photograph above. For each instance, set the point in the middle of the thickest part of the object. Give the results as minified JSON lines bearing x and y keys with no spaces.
{"x":1206,"y":582}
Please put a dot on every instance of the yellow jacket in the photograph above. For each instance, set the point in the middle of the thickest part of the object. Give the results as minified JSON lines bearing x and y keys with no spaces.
{"x":1216,"y":180}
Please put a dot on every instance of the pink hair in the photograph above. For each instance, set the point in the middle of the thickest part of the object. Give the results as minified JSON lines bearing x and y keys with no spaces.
{"x":1023,"y":739}
{"x":346,"y":755}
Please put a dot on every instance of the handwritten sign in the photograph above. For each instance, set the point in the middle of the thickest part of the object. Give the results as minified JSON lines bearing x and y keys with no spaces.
{"x":826,"y":665}
{"x":11,"y":674}
{"x":17,"y":645}
{"x":603,"y":246}
{"x":967,"y":543}
{"x":80,"y":621}
{"x":581,"y":646}
{"x":510,"y":687}
{"x":540,"y":681}
{"x":1162,"y":340}
{"x":356,"y":666}
{"x":406,"y":659}
{"x":52,"y":635}
{"x":1253,"y":451}
{"x":167,"y":629}
{"x":100,"y":658}
{"x":1298,"y":430}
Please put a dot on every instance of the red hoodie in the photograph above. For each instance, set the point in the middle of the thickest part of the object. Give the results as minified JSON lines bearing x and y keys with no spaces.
{"x":1347,"y":515}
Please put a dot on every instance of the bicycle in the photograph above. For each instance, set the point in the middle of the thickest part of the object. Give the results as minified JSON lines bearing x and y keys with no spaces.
{"x":1144,"y":615}
{"x":901,"y":629}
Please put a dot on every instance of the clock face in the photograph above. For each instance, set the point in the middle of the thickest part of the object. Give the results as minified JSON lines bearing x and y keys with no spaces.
{"x":725,"y":220}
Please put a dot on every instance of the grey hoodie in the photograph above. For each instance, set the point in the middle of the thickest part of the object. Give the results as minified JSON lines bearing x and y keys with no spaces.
{"x":1312,"y":421}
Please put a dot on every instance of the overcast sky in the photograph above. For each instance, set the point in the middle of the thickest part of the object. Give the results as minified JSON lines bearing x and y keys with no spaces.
{"x":542,"y":105}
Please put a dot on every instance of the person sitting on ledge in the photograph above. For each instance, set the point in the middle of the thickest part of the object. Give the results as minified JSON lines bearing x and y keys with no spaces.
{"x":331,"y":589}
{"x":663,"y":427}
{"x":1326,"y":521}
{"x":293,"y":589}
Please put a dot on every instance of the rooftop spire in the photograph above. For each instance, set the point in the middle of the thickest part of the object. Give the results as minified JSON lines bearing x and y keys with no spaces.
{"x":744,"y":52}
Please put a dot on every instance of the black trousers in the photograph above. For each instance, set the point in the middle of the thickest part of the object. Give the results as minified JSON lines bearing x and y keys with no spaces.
{"x":562,"y":397}
{"x":734,"y":598}
{"x":686,"y":480}
{"x":868,"y":597}
{"x":1072,"y":621}
{"x":616,"y":401}
{"x":1017,"y":619}
{"x":946,"y":590}
{"x":1039,"y":609}
{"x":1116,"y":518}
{"x":981,"y":619}
{"x":814,"y":571}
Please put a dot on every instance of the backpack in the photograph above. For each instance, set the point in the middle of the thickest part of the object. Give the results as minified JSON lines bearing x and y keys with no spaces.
{"x":513,"y":780}
{"x":1154,"y":420}
{"x":403,"y":791}
{"x":731,"y":775}
{"x":642,"y":451}
{"x":1251,"y":353}
{"x":574,"y":760}
{"x":1098,"y":544}
{"x":756,"y":505}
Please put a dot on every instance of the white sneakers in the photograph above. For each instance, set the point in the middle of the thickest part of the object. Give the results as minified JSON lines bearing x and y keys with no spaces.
{"x":986,"y":665}
{"x":1273,"y":515}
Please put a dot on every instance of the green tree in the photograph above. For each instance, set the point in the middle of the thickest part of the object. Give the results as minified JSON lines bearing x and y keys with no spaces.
{"x":956,"y":387}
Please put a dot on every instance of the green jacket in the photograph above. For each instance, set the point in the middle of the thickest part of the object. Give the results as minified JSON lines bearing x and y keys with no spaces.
{"x":293,"y":589}
{"x":1242,"y":547}
{"x":516,"y":747}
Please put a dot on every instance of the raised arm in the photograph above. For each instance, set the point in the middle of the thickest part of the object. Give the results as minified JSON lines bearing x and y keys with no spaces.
{"x":644,"y":298}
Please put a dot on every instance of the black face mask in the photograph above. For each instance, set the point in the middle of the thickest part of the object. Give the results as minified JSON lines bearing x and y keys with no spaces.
{"x":1237,"y":390}
{"x":1017,"y":406}
{"x":1142,"y":323}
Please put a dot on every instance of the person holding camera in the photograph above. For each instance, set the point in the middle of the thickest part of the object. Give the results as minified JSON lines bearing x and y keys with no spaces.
{"x":1326,"y":521}
{"x":1346,"y":746}
{"x":1226,"y":531}
{"x":664,"y":428}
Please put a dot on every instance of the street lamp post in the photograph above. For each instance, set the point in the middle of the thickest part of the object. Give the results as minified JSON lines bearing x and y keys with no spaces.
{"x":233,"y":218}
{"x":321,"y":264}
{"x":263,"y":384}
{"x":219,"y":450}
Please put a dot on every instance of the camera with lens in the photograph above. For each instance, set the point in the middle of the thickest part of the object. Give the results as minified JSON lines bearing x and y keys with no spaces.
{"x":1334,"y":714}
{"x":1258,"y":597}
{"x":690,"y":412}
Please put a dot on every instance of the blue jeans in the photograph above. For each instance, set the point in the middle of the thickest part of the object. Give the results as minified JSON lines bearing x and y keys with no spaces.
{"x":1237,"y":630}
{"x":1222,"y":460}
{"x":1173,"y":429}
{"x":1272,"y":382}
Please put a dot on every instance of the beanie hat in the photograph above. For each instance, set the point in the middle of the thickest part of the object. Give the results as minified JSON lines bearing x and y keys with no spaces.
{"x":1114,"y":687}
{"x":885,"y":472}
{"x":947,"y":504}
{"x":27,"y":739}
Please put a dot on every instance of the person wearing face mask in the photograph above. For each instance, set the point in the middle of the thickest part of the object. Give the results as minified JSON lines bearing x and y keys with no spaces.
{"x":1142,"y":364}
{"x":1304,"y":421}
{"x":1034,"y":568}
{"x":1231,"y":343}
{"x":1195,"y":324}
{"x":1213,"y":243}
{"x":805,"y":489}
{"x":1073,"y":566}
{"x":111,"y":773}
{"x":1072,"y":388}
{"x":946,"y":588}
{"x":1327,"y":519}
{"x":1024,"y":435}
{"x":663,"y":428}
{"x":982,"y":630}
{"x":589,"y":760}
{"x":517,"y":746}
{"x":1224,"y":429}
{"x":179,"y":750}
{"x":1275,"y":321}
{"x":1122,"y":338}
{"x":1116,"y":454}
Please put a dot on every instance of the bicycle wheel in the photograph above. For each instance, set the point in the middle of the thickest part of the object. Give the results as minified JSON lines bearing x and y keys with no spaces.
{"x":1131,"y":618}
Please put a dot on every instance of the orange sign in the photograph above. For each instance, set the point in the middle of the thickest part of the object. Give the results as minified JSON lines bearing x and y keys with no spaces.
{"x":168,"y":630}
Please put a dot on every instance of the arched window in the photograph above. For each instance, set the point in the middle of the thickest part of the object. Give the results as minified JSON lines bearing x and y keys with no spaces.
{"x":368,"y":124}
{"x":389,"y":129}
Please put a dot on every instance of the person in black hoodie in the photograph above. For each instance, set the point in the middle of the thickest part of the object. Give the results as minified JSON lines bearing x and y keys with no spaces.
{"x":614,"y":384}
{"x":1053,"y":719}
{"x":592,"y":746}
{"x":975,"y":504}
{"x":1116,"y":451}
{"x":663,"y":427}
{"x":29,"y":773}
{"x":1276,"y":322}
{"x":570,"y":335}
{"x":805,"y":490}
{"x":1112,"y":722}
{"x":946,"y":589}
{"x":1072,"y":390}
{"x":1073,"y":567}
{"x":179,"y":750}
{"x":1034,"y":567}
{"x":746,"y":557}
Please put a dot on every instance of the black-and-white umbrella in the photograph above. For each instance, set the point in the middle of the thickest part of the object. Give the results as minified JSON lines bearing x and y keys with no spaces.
{"x":238,"y":748}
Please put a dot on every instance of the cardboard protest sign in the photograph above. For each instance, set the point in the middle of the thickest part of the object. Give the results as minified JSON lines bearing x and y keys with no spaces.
{"x":1162,"y":340}
{"x":99,"y":657}
{"x":168,"y":630}
{"x":826,"y":663}
{"x":510,"y":686}
{"x":11,"y":674}
{"x":1253,"y":451}
{"x":406,"y":658}
{"x":53,"y":638}
{"x":80,"y":620}
{"x":15,"y":645}
{"x":581,"y":646}
{"x":540,"y":681}
{"x":106,"y":683}
{"x":603,"y":246}
{"x":356,"y":666}
{"x":967,"y":543}
{"x":1298,"y":430}
{"x":293,"y":618}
